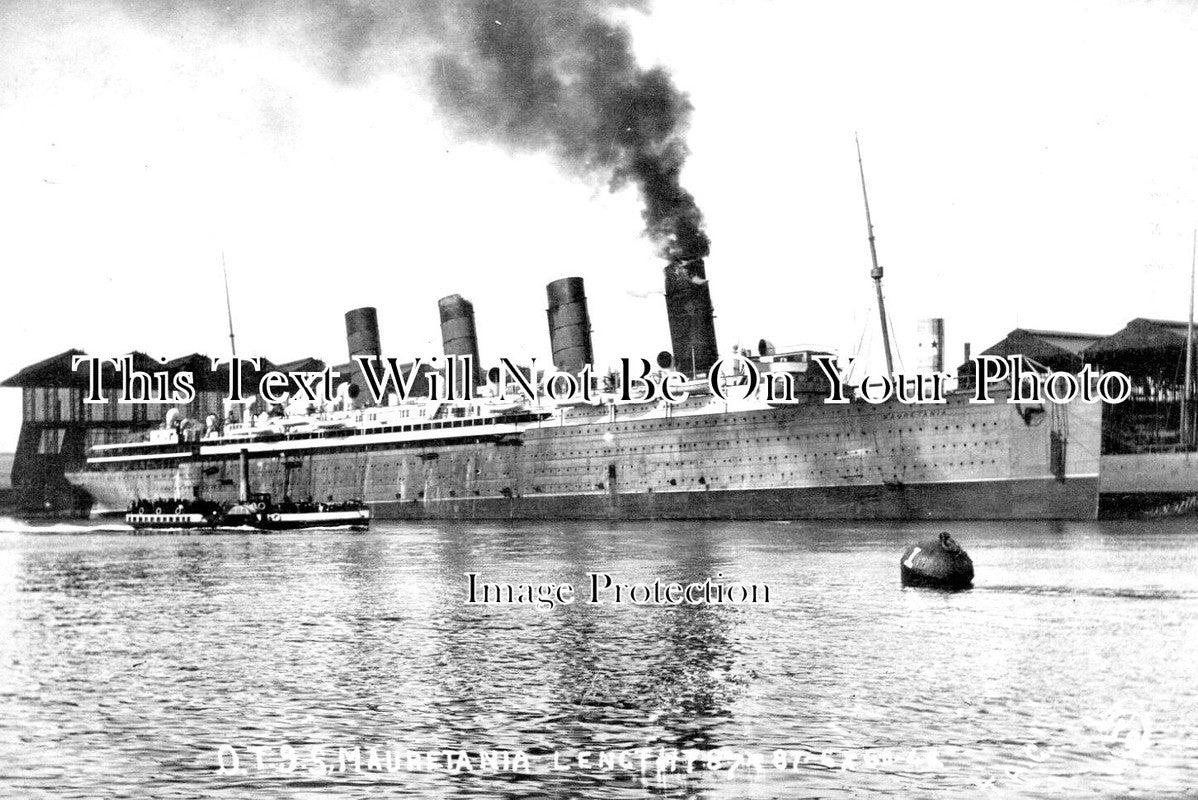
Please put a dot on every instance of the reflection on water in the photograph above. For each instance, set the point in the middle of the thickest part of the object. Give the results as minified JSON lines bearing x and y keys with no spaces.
{"x":127,"y":661}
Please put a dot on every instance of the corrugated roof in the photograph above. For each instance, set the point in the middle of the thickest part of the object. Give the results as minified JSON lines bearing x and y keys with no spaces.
{"x":56,"y":371}
{"x":1140,"y":335}
{"x":1066,"y":340}
{"x":309,"y":364}
{"x":209,"y":379}
{"x":1143,"y":349}
{"x":50,"y":371}
{"x":1054,"y":348}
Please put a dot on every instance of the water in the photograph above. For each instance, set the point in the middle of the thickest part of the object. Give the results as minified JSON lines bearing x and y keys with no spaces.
{"x":127,"y":661}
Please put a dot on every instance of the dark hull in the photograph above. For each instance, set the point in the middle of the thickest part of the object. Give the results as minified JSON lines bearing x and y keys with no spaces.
{"x":321,"y":526}
{"x":1043,"y":498}
{"x":1147,"y":504}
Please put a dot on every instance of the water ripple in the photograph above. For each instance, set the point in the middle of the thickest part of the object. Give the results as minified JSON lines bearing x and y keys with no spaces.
{"x":127,"y":662}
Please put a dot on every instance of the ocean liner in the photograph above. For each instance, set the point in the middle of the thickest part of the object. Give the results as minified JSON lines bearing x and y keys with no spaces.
{"x":705,"y":458}
{"x":617,"y":457}
{"x":613,"y":458}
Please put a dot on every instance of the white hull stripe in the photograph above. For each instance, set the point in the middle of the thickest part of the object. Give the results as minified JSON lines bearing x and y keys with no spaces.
{"x":359,"y":439}
{"x":148,"y":457}
{"x":328,"y":516}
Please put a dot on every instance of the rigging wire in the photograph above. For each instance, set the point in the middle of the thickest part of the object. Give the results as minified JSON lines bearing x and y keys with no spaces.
{"x":897,"y":351}
{"x":864,"y":342}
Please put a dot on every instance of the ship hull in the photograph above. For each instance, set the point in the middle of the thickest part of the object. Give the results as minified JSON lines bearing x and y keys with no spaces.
{"x":1034,"y":498}
{"x":817,"y":461}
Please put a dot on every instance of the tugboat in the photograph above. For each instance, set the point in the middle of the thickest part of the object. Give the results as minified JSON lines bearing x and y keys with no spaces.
{"x":261,"y":514}
{"x":253,"y":511}
{"x":257,"y":513}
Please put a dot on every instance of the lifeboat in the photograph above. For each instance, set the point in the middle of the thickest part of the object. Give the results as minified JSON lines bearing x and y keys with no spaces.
{"x":503,"y":406}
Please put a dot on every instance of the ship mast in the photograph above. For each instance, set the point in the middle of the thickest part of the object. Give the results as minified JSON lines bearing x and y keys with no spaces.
{"x":228,"y":304}
{"x":876,"y":272}
{"x":232,"y":341}
{"x":1186,"y":381}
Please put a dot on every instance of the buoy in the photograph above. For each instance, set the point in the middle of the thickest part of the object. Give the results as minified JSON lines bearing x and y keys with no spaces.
{"x":940,"y":564}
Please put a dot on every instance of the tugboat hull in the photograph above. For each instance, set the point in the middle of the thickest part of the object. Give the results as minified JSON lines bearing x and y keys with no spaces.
{"x":358,"y":520}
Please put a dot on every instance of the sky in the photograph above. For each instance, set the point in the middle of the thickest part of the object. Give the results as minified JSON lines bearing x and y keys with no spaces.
{"x":1029,"y":165}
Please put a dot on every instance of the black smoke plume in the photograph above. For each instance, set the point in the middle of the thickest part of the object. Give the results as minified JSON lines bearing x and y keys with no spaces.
{"x":562,"y":77}
{"x":556,"y":76}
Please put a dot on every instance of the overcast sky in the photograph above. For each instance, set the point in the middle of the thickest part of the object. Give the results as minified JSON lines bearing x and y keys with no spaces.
{"x":1029,"y":164}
